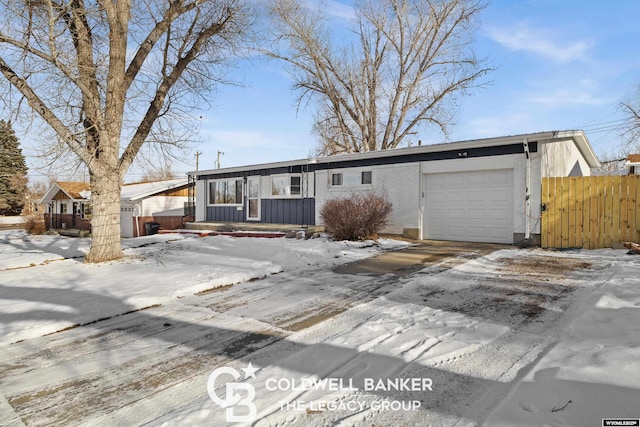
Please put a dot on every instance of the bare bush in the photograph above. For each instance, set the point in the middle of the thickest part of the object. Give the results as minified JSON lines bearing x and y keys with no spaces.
{"x":359,"y":216}
{"x":34,"y":224}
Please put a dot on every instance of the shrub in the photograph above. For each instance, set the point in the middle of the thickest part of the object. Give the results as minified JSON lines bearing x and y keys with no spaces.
{"x":359,"y":216}
{"x":34,"y":224}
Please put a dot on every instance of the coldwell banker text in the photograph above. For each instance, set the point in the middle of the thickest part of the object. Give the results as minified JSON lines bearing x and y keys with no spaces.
{"x":346,"y":384}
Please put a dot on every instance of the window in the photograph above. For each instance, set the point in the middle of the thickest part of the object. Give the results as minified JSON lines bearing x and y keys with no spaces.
{"x":227,"y":192}
{"x":286,"y":185}
{"x":351,"y":178}
{"x":278,"y":185}
{"x":63,"y":208}
{"x":86,"y":210}
{"x":295,"y":185}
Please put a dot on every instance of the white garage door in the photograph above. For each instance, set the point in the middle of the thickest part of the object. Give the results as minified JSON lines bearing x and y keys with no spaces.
{"x":469,"y":206}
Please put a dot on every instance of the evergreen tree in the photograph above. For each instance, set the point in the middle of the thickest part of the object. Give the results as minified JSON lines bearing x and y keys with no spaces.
{"x":13,"y":172}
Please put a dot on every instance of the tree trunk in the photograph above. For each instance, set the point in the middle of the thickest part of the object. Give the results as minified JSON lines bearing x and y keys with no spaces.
{"x":105,"y":218}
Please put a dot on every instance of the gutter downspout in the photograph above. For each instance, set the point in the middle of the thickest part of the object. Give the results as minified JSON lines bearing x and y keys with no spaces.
{"x":527,"y":191}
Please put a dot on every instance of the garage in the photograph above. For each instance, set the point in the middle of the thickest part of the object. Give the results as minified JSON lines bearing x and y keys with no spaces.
{"x":473,"y":206}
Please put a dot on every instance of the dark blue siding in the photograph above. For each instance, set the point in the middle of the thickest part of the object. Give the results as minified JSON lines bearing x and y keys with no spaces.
{"x":289,"y":211}
{"x":273,"y":211}
{"x":225,"y":213}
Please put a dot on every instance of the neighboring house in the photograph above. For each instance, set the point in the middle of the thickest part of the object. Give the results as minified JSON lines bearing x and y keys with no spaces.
{"x":161,"y":201}
{"x":486,"y":190}
{"x":69,"y":206}
{"x":632,"y":165}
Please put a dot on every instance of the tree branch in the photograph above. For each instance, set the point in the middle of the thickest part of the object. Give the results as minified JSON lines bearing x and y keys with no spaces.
{"x":41,"y":109}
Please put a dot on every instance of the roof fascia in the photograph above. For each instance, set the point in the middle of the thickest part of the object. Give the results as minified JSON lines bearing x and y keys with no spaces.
{"x":151,"y":193}
{"x":48,"y":196}
{"x":504,"y":140}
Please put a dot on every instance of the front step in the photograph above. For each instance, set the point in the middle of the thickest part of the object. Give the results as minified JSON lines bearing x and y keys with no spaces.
{"x":226,"y":227}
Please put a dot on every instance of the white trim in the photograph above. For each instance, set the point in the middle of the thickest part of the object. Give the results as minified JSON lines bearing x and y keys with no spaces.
{"x":168,"y":185}
{"x":258,"y":198}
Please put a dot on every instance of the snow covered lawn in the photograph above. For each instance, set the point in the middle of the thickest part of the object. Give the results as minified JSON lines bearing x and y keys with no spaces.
{"x":514,"y":337}
{"x":45,"y":286}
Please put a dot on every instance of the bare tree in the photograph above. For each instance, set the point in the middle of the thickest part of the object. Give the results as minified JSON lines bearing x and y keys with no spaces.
{"x":407,"y":61}
{"x":160,"y":172}
{"x":631,"y":125}
{"x":109,"y":77}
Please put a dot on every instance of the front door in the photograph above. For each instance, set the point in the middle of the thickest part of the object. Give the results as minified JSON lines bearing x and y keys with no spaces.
{"x":75,"y":214}
{"x":253,"y":198}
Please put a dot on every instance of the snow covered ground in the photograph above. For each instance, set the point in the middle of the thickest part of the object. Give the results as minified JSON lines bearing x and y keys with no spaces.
{"x":45,"y":286}
{"x":515,"y":337}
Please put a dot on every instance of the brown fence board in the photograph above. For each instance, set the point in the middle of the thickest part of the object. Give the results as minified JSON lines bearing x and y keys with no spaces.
{"x":557,"y":212}
{"x":631,"y":211}
{"x":594,"y":218}
{"x":602,"y":217}
{"x":545,"y":198}
{"x":616,"y":200}
{"x":571,"y":213}
{"x":624,"y":210}
{"x":564,"y":213}
{"x":579,"y":201}
{"x":586,"y":213}
{"x":590,"y":212}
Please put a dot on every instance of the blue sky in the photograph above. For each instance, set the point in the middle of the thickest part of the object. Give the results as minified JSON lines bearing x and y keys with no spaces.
{"x":559,"y":65}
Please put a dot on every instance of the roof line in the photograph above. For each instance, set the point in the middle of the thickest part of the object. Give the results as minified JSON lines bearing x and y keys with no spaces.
{"x":577,"y":135}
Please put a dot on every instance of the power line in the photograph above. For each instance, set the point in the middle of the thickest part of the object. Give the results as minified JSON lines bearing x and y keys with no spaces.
{"x":602,"y":123}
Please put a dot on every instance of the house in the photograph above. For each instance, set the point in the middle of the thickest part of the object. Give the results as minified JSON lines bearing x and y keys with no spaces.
{"x":68,"y":206}
{"x":162,"y":202}
{"x":486,"y":190}
{"x":632,"y":164}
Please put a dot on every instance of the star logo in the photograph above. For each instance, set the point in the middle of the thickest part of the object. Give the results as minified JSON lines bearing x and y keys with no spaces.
{"x":249,"y":371}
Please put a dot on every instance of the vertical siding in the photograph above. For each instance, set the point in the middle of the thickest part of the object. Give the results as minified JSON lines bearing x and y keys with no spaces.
{"x":288,"y":211}
{"x":225,"y":213}
{"x":273,"y":211}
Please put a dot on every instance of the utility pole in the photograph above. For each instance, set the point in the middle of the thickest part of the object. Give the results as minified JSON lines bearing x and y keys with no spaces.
{"x":198,"y":154}
{"x":219,"y":153}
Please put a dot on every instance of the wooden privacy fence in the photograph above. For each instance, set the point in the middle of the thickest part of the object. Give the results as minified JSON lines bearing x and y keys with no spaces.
{"x":590,"y":212}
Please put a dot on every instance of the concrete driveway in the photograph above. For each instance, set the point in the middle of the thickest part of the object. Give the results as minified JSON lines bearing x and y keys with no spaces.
{"x":425,"y":254}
